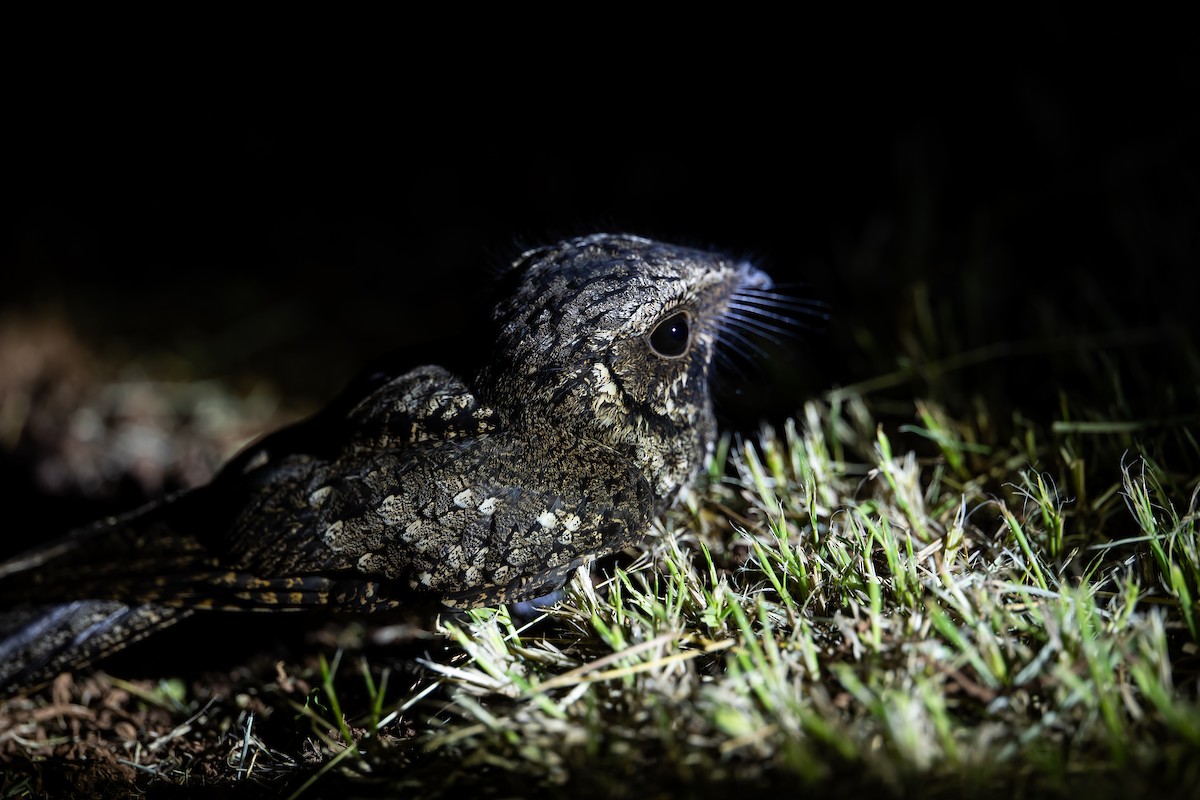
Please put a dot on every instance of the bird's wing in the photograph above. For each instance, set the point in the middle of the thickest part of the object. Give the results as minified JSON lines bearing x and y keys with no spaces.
{"x":181,"y":550}
{"x":429,"y":501}
{"x":427,"y":404}
{"x":378,"y":411}
{"x":496,"y":518}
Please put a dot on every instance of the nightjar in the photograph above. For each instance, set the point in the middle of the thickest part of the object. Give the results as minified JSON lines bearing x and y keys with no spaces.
{"x":590,"y":418}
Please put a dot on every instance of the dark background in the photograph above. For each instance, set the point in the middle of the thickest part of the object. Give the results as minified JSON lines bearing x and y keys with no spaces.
{"x":294,"y":223}
{"x":1034,"y":190}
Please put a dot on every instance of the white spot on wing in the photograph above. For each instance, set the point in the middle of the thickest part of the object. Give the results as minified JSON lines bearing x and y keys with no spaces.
{"x":391,"y":509}
{"x":330,"y":535}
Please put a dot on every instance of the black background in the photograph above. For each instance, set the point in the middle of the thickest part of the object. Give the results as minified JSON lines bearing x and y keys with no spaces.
{"x":943,"y":185}
{"x":294,"y":220}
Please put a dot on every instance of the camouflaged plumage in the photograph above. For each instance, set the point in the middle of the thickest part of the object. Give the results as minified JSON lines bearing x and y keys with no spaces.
{"x":591,"y":417}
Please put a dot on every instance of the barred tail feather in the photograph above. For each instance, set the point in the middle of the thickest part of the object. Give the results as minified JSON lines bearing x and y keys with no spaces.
{"x":38,"y":642}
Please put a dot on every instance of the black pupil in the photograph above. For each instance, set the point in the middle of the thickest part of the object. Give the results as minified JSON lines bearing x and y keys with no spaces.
{"x":670,"y":338}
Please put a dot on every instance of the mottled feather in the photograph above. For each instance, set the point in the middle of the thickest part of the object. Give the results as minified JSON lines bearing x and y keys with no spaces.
{"x":590,"y":417}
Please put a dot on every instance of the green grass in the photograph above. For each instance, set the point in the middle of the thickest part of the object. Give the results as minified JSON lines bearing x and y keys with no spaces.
{"x":838,"y":615}
{"x":911,"y":602}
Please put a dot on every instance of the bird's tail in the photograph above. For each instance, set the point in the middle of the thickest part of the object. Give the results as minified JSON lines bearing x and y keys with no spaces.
{"x":70,"y":602}
{"x":39,"y":641}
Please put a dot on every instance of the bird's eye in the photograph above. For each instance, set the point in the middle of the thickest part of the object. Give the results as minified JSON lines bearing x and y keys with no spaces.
{"x":670,"y":337}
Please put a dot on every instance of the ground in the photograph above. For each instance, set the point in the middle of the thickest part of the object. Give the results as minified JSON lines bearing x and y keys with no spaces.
{"x":852,"y":602}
